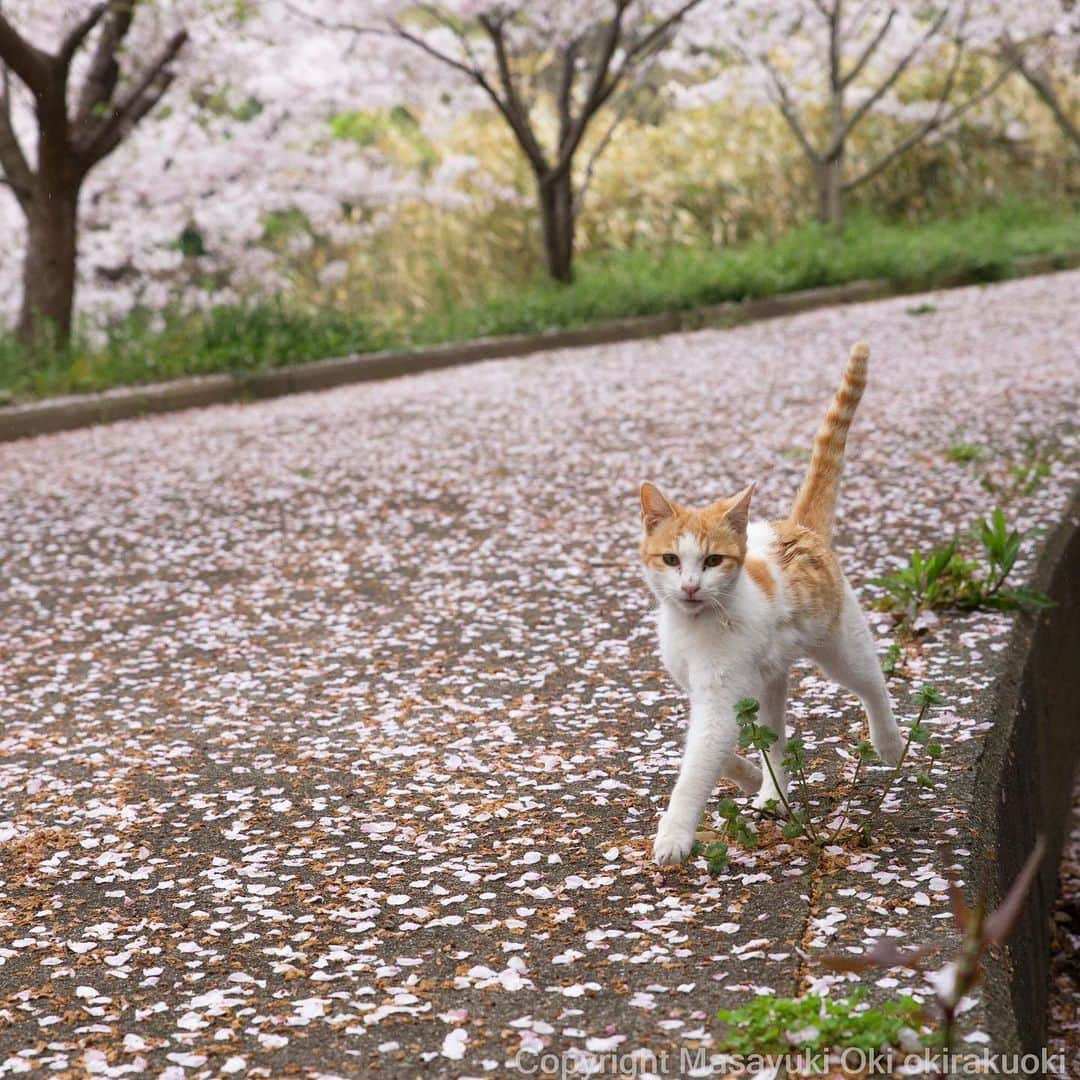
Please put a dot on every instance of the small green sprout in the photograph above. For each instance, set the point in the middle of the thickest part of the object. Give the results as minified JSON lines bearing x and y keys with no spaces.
{"x":894,"y":654}
{"x":963,"y":453}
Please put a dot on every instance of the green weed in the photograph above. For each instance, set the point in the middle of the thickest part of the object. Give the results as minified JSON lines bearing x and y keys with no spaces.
{"x":717,"y":859}
{"x":893,"y":658}
{"x":753,"y":735}
{"x":1022,"y":477}
{"x":759,"y":737}
{"x":927,"y":697}
{"x":943,"y":578}
{"x":962,"y":452}
{"x":813,"y":1024}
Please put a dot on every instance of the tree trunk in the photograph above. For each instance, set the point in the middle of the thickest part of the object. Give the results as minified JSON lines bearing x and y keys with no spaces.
{"x":68,"y":146}
{"x":830,"y":181}
{"x":51,"y":251}
{"x":831,"y":167}
{"x":557,"y":224}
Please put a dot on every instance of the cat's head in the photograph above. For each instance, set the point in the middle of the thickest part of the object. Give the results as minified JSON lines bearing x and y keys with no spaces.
{"x":692,"y":558}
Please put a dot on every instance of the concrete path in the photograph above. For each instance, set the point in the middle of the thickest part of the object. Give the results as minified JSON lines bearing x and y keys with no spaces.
{"x":333,"y":733}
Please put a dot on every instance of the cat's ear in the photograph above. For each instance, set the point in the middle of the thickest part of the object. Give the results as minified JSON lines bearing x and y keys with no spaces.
{"x":737,"y":515}
{"x":654,"y":507}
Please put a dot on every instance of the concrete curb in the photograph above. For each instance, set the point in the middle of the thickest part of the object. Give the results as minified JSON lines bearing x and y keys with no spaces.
{"x":1024,"y":784}
{"x":76,"y":411}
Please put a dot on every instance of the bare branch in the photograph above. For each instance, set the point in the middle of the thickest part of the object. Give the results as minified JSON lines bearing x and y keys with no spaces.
{"x":601,"y":145}
{"x":475,"y":74}
{"x":115,"y":133}
{"x":871,"y":47}
{"x":643,"y":46}
{"x":457,"y":30}
{"x":1040,"y":82}
{"x":27,"y":61}
{"x":327,"y":24}
{"x":515,"y":110}
{"x":938,"y":120}
{"x":901,"y":66}
{"x":787,"y":110}
{"x":835,"y":50}
{"x":640,"y":49}
{"x":102,"y":139}
{"x":565,"y":96}
{"x":406,"y":35}
{"x":598,"y":91}
{"x":78,"y":34}
{"x":857,"y":20}
{"x":101,"y":78}
{"x":17,"y":172}
{"x":603,"y":86}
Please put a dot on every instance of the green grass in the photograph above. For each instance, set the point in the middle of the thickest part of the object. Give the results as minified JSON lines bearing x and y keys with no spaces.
{"x":983,"y":246}
{"x":225,"y":339}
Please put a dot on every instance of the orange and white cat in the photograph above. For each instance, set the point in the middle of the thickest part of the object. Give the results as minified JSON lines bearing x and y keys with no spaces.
{"x":739,"y":602}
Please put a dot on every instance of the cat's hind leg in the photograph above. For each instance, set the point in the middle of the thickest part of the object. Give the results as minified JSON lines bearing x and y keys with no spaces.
{"x":771,"y":710}
{"x":850,"y":659}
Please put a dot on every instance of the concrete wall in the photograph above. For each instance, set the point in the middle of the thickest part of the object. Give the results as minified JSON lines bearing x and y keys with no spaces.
{"x":1025,"y":784}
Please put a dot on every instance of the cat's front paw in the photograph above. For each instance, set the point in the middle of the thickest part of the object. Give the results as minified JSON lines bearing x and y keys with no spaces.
{"x":768,"y":798}
{"x":673,"y":842}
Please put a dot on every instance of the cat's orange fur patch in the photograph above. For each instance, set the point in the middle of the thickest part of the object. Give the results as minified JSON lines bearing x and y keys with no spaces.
{"x":810,"y":570}
{"x":708,"y":526}
{"x":761,"y":575}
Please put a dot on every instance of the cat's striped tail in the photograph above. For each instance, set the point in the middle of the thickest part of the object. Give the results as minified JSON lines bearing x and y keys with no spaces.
{"x":815,"y":504}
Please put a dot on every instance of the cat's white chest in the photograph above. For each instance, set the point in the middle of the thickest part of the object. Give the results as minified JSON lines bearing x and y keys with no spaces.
{"x":674,"y":658}
{"x":693,"y":650}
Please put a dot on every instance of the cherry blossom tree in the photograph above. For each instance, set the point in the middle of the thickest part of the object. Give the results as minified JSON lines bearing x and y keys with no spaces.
{"x":82,"y":112}
{"x":176,"y":213}
{"x":847,"y":61}
{"x":549,"y":70}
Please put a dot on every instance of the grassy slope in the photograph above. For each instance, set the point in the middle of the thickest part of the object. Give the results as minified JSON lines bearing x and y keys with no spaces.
{"x":629,"y":283}
{"x":639,"y":282}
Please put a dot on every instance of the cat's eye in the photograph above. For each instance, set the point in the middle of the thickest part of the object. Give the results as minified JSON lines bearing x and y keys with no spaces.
{"x":713,"y":560}
{"x":670,"y":558}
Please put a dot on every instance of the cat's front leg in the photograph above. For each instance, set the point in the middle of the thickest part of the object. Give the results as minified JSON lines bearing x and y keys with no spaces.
{"x":709,"y":754}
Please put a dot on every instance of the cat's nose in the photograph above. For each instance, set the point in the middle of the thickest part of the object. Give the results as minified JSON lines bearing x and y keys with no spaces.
{"x":690,"y":590}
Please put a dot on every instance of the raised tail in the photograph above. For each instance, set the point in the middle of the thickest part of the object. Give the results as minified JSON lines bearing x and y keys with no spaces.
{"x":815,"y":504}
